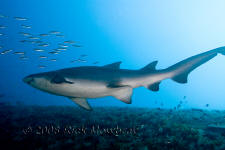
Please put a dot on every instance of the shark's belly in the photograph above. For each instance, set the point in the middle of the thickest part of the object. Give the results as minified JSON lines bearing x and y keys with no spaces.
{"x":86,"y":90}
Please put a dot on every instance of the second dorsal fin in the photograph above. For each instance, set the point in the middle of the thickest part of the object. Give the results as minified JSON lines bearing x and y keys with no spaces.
{"x":150,"y":66}
{"x":115,"y":65}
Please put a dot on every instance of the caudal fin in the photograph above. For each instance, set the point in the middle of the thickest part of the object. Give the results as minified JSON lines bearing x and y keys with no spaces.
{"x":220,"y":50}
{"x":179,"y":72}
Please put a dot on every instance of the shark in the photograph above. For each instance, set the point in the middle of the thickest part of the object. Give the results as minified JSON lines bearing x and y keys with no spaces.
{"x":88,"y":82}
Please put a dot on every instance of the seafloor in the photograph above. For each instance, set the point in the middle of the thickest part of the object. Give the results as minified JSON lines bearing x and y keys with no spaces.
{"x":60,"y":127}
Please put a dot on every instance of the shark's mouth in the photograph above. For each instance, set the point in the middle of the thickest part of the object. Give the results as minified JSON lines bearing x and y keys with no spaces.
{"x":28,"y":80}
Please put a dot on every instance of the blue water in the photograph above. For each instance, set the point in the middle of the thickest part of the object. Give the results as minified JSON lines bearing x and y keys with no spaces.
{"x":134,"y":32}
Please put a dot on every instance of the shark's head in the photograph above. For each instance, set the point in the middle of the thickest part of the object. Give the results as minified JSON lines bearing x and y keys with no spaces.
{"x":51,"y":82}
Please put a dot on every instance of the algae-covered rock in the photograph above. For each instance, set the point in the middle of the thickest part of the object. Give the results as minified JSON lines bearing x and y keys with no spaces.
{"x":216,"y":127}
{"x":58,"y":127}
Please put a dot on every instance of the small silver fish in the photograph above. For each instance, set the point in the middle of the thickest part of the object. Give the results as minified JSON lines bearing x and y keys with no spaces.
{"x":19,"y":53}
{"x":62,"y":45}
{"x":20,"y":18}
{"x":76,"y":45}
{"x":54,"y":32}
{"x":44,"y":35}
{"x":42,"y":66}
{"x":6,"y":51}
{"x":58,"y":35}
{"x":1,"y":34}
{"x":25,"y":34}
{"x":53,"y":52}
{"x":58,"y":51}
{"x":26,"y":26}
{"x":38,"y":50}
{"x":52,"y":59}
{"x":23,"y":58}
{"x":37,"y":42}
{"x":42,"y":57}
{"x":43,"y":45}
{"x":23,"y":41}
{"x":61,"y":49}
{"x":34,"y":38}
{"x":79,"y":60}
{"x":69,"y":42}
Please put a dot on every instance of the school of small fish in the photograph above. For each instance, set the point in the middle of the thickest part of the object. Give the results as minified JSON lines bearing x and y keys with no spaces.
{"x":40,"y":42}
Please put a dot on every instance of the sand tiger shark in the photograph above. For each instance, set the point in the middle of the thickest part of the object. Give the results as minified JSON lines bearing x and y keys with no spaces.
{"x":80,"y":83}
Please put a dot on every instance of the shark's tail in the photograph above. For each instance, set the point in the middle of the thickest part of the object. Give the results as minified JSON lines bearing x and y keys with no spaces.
{"x":179,"y":72}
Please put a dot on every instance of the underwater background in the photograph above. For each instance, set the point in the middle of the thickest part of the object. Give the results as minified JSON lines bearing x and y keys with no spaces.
{"x":45,"y":35}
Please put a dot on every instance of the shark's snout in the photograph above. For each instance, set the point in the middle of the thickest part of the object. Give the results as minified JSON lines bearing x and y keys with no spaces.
{"x":28,"y":79}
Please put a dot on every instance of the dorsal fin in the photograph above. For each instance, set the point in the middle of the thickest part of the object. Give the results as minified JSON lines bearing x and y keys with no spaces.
{"x":115,"y":65}
{"x":150,"y":66}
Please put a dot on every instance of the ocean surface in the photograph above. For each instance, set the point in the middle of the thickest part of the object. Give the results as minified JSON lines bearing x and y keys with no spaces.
{"x":47,"y":35}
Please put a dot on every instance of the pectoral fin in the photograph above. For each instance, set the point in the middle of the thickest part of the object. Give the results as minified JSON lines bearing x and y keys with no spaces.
{"x":154,"y":87}
{"x":82,"y":102}
{"x":124,"y":94}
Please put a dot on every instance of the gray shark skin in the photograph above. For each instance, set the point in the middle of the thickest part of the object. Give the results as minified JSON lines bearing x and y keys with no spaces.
{"x":80,"y":83}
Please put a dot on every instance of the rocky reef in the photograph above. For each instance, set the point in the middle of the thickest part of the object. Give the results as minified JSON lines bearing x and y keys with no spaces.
{"x":64,"y":127}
